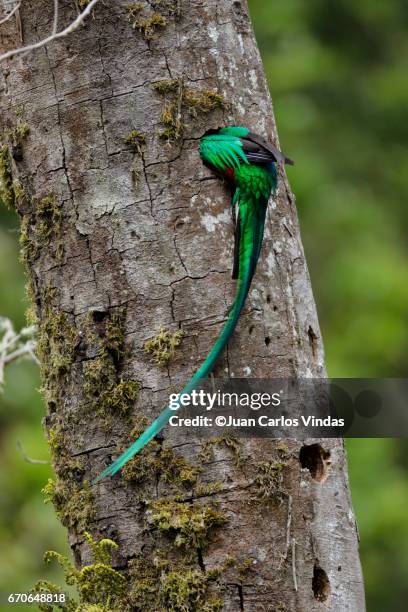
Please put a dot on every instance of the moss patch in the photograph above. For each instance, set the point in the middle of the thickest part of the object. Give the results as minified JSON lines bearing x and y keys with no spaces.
{"x":106,"y":398}
{"x":107,"y":392}
{"x":6,"y":179}
{"x":114,"y":338}
{"x":268,"y":475}
{"x":154,"y":463}
{"x":57,"y":340}
{"x":72,"y":499}
{"x":135,"y":140}
{"x":162,"y":347}
{"x":73,"y":504}
{"x":49,"y":225}
{"x":230,"y":442}
{"x":187,"y":590}
{"x":268,"y":481}
{"x":57,"y":343}
{"x":99,"y":586}
{"x":119,"y":398}
{"x":18,"y":133}
{"x":163,"y":585}
{"x":42,"y":229}
{"x":188,"y":525}
{"x":170,"y":7}
{"x":20,"y":195}
{"x":11,"y":142}
{"x":11,"y":146}
{"x":181,"y":101}
{"x":146,"y":24}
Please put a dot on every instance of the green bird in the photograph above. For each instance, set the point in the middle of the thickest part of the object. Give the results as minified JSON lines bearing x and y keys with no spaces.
{"x":248,"y":163}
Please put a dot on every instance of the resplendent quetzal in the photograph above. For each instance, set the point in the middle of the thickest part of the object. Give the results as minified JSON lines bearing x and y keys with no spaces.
{"x":248,"y":163}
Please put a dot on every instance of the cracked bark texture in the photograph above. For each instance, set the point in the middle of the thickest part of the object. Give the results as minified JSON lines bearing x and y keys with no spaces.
{"x":152,"y":233}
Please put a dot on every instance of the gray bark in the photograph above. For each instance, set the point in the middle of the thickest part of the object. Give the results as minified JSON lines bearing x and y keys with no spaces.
{"x":143,"y":240}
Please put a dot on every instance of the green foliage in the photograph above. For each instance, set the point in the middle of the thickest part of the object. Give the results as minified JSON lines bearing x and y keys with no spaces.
{"x":378,"y":475}
{"x":100,"y":588}
{"x":337,"y":77}
{"x":336,"y":74}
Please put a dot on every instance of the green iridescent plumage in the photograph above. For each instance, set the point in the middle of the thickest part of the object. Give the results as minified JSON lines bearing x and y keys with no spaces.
{"x":248,"y":163}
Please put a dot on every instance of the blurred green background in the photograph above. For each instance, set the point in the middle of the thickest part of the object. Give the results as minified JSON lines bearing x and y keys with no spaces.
{"x":338,"y":77}
{"x":337,"y":74}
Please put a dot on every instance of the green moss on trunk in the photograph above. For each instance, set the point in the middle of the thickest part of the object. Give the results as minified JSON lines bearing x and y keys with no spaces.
{"x":100,"y":588}
{"x":148,"y":24}
{"x":182,"y":101}
{"x":162,"y":348}
{"x":6,"y":178}
{"x":107,"y":392}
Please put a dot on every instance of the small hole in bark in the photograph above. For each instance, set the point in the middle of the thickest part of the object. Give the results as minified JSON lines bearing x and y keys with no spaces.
{"x":320,"y":584}
{"x":52,"y":407}
{"x":111,"y":532}
{"x":200,"y":559}
{"x":268,"y":299}
{"x":317,"y":460}
{"x":98,"y":315}
{"x":178,"y":223}
{"x":267,"y":341}
{"x":312,"y":341}
{"x":251,"y":329}
{"x":275,"y":308}
{"x":78,"y":475}
{"x":339,"y":568}
{"x":17,"y":153}
{"x":133,"y":234}
{"x":77,"y":556}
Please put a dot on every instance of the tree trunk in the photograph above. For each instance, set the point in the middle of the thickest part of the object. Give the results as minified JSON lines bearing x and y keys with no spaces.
{"x":126,"y":237}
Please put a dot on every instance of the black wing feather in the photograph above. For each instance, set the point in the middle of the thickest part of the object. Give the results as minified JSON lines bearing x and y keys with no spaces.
{"x":259,"y":151}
